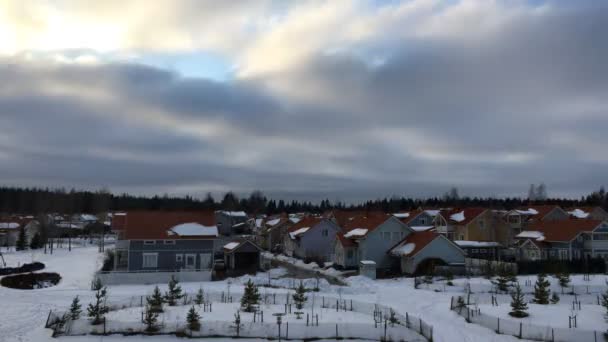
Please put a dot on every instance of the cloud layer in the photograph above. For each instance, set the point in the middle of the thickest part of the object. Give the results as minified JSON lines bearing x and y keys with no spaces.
{"x":337,"y":99}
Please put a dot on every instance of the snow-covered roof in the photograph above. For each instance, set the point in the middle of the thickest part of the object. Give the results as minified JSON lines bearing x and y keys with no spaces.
{"x":464,"y":243}
{"x":401,"y":215}
{"x":88,"y":217}
{"x":578,"y":213}
{"x":193,"y":229}
{"x":295,"y":233}
{"x":238,"y":224}
{"x":367,"y":262}
{"x":404,"y":250}
{"x":530,"y":211}
{"x":231,"y":245}
{"x":433,"y":212}
{"x":273,"y":222}
{"x":422,"y":228}
{"x":531,"y":234}
{"x":458,"y":217}
{"x":235,"y":213}
{"x":9,"y":225}
{"x":295,"y":219}
{"x":357,"y":232}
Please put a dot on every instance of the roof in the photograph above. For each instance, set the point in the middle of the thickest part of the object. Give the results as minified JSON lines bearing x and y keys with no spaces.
{"x":235,"y":245}
{"x":142,"y":225}
{"x":464,"y":216}
{"x":411,"y":216}
{"x":413,"y":243}
{"x":307,"y":222}
{"x":563,"y":230}
{"x":358,"y":227}
{"x":343,"y":216}
{"x":193,"y":229}
{"x":233,"y":213}
{"x":541,"y":210}
{"x":476,"y":244}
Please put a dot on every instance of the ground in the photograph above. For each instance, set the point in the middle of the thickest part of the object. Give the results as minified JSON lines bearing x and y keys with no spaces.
{"x":25,"y":311}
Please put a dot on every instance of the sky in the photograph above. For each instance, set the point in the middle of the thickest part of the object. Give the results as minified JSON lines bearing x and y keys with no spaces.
{"x":307,"y":99}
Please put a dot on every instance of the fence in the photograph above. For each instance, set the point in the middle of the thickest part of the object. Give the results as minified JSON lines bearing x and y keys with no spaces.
{"x":480,"y":266}
{"x":524,"y":330}
{"x":151,"y":277}
{"x":407,"y":327}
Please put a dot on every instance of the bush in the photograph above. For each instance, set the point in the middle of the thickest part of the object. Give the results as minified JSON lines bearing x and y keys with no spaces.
{"x":30,"y":281}
{"x":35,"y":266}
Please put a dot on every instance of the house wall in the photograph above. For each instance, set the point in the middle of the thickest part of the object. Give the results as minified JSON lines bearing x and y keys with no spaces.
{"x":341,"y":255}
{"x":313,"y":244}
{"x":556,"y":214}
{"x":423,"y":219}
{"x":225,"y":222}
{"x":598,"y":214}
{"x":482,"y":228}
{"x":440,"y":248}
{"x":167,"y":253}
{"x":377,"y":242}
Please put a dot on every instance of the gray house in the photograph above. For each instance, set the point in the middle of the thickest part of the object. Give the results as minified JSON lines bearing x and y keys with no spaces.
{"x":163,"y":244}
{"x":311,"y":238}
{"x":232,"y":222}
{"x":420,"y":252}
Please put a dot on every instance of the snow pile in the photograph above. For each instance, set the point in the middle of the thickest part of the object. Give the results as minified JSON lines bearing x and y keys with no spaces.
{"x":432,"y":212}
{"x":401,"y":215}
{"x":530,"y":211}
{"x":458,"y":217}
{"x":404,"y":250}
{"x":531,"y":234}
{"x":463,"y":243}
{"x":294,"y":234}
{"x":9,"y":225}
{"x":193,"y":229}
{"x":235,"y":213}
{"x":273,"y":223}
{"x":231,"y":245}
{"x":422,"y":228}
{"x":578,"y":213}
{"x":357,"y":232}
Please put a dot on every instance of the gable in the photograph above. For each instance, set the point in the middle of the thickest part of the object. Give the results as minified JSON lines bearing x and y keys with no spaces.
{"x":602,"y":228}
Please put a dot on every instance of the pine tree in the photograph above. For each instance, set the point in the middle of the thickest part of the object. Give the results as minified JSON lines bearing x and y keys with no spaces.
{"x":150,"y":319}
{"x":564,"y":280}
{"x":75,"y":309}
{"x":237,"y":323}
{"x":193,"y":320}
{"x":605,"y":301}
{"x":518,"y":305}
{"x":554,"y":298}
{"x":155,"y":301}
{"x":99,"y":309}
{"x":174,"y":293}
{"x":502,"y":281}
{"x":251,"y":297}
{"x":21,"y":243}
{"x":541,"y":290}
{"x":200,"y":297}
{"x":299,"y":297}
{"x":449,"y":277}
{"x":97,"y":284}
{"x":36,"y":241}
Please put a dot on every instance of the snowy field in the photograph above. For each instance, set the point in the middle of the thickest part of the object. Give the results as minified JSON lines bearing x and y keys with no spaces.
{"x":24,"y":312}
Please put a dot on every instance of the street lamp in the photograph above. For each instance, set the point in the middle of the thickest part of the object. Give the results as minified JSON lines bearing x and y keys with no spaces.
{"x":279,"y":317}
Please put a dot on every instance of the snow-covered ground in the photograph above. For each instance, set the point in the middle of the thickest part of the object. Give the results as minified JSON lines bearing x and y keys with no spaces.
{"x":25,"y":311}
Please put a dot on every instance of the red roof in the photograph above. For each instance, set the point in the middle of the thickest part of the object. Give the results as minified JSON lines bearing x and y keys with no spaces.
{"x":308,"y":221}
{"x":343,"y":216}
{"x":142,"y":225}
{"x":563,"y":230}
{"x":419,"y":239}
{"x":469,"y":215}
{"x":542,"y":210}
{"x":369,"y":221}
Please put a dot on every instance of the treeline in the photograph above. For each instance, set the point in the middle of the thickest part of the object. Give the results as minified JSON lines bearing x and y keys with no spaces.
{"x":36,"y":200}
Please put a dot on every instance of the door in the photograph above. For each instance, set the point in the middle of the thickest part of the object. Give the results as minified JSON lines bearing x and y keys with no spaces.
{"x":205,"y":261}
{"x":190,"y":263}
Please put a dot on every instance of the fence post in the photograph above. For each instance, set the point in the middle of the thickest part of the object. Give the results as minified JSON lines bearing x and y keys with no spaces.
{"x":336,"y":331}
{"x":287,"y":331}
{"x":420,"y":323}
{"x":552,"y":335}
{"x":520,"y":329}
{"x":498,"y":325}
{"x":407,"y":320}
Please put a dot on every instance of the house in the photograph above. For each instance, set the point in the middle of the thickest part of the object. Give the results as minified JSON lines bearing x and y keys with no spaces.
{"x":368,"y":237}
{"x":163,"y":241}
{"x":419,"y":252}
{"x":232,"y":222}
{"x":273,"y":229}
{"x":10,"y":226}
{"x":488,"y":250}
{"x":311,"y":238}
{"x":241,"y":257}
{"x":593,"y":213}
{"x":417,"y":220}
{"x":517,"y":220}
{"x":568,"y":239}
{"x":471,"y":224}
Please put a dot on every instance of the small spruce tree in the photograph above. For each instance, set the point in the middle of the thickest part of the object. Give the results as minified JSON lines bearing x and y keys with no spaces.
{"x":75,"y":309}
{"x":449,"y":277}
{"x":541,"y":290}
{"x":97,"y":310}
{"x":36,"y":241}
{"x":251,"y":297}
{"x":155,"y":301}
{"x":193,"y":319}
{"x":21,"y":243}
{"x":502,"y":281}
{"x":199,"y":299}
{"x":174,"y":293}
{"x":150,"y":319}
{"x":97,"y":284}
{"x":554,"y":298}
{"x":564,"y":280}
{"x":299,"y":297}
{"x":518,"y":305}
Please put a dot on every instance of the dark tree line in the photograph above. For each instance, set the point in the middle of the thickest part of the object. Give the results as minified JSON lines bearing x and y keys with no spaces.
{"x":36,"y":200}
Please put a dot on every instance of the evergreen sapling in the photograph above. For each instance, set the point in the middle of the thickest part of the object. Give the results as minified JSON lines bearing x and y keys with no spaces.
{"x":174,"y":293}
{"x":251,"y":297}
{"x":75,"y":309}
{"x":150,"y":319}
{"x":193,"y":320}
{"x":518,"y":305}
{"x":155,"y":301}
{"x":98,"y":309}
{"x":541,"y":290}
{"x":199,"y":299}
{"x":299,"y":297}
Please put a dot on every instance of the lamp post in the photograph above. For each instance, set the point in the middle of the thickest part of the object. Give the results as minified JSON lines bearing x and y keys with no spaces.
{"x":279,"y":317}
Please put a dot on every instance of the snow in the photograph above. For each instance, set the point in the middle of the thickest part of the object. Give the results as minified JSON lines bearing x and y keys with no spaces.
{"x":401,"y":215}
{"x":295,"y":219}
{"x":530,"y":211}
{"x":422,"y":228}
{"x":458,"y":217}
{"x":578,"y":213}
{"x":258,"y":222}
{"x":432,"y":212}
{"x":88,"y":217}
{"x":273,"y":222}
{"x":404,"y":250}
{"x":294,"y":234}
{"x":235,"y":213}
{"x":463,"y":243}
{"x":231,"y":245}
{"x":531,"y":234}
{"x":367,"y":262}
{"x":9,"y":225}
{"x":239,"y":224}
{"x":357,"y":232}
{"x":194,"y":229}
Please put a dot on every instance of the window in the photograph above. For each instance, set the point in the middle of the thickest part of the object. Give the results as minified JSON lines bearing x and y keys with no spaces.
{"x":481,"y":223}
{"x":150,"y":260}
{"x":513,"y":219}
{"x":482,"y":251}
{"x":423,"y":221}
{"x":461,"y":236}
{"x":169,"y":242}
{"x":325,"y":232}
{"x":349,"y":254}
{"x":563,"y":254}
{"x":395,"y":235}
{"x":149,"y":242}
{"x":179,"y":257}
{"x":474,"y":250}
{"x":386,"y":236}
